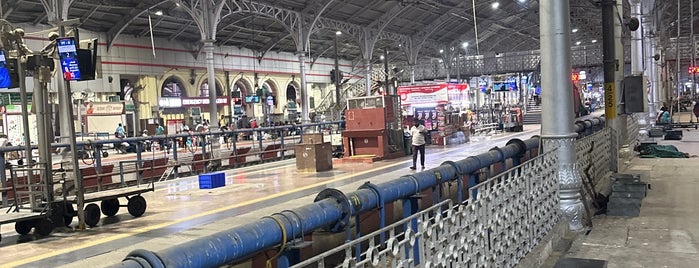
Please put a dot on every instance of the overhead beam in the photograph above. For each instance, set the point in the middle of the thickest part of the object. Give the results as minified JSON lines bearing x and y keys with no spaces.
{"x":127,"y":19}
{"x":180,"y":31}
{"x":88,"y":15}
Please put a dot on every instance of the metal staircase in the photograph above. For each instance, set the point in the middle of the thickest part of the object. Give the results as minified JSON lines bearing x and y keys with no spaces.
{"x":357,"y":88}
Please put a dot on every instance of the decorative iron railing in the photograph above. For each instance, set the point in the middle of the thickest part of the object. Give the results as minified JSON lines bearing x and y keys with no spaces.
{"x":506,"y":217}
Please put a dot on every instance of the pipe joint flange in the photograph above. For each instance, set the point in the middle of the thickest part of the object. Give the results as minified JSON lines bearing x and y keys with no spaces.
{"x":454,"y":165}
{"x":146,"y":258}
{"x":374,"y":188}
{"x":521,"y":144}
{"x":499,"y":151}
{"x":344,"y":203}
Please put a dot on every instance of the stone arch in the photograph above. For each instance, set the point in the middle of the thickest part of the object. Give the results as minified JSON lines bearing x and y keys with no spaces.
{"x":271,"y":87}
{"x":205,"y":79}
{"x":173,"y":86}
{"x":293,"y":91}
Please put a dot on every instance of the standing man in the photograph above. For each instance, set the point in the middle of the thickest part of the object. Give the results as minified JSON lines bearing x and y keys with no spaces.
{"x":418,"y":133}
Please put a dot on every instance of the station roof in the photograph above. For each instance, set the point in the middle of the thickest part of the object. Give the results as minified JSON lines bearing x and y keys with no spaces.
{"x":444,"y":24}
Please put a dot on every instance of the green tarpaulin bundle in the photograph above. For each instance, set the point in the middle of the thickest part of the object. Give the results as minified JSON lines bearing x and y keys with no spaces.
{"x":662,"y":151}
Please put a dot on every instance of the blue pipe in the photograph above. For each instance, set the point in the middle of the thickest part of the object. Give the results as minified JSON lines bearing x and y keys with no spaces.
{"x":234,"y":244}
{"x":331,"y":210}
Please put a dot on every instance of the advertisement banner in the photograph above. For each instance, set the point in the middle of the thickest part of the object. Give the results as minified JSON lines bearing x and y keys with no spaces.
{"x":423,"y":94}
{"x":428,"y":94}
{"x":104,"y":108}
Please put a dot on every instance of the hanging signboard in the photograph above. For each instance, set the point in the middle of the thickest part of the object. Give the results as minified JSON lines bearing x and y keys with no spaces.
{"x":200,"y":102}
{"x":428,"y":94}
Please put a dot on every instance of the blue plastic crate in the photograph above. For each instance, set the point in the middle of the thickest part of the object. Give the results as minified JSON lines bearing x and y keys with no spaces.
{"x":212,"y":180}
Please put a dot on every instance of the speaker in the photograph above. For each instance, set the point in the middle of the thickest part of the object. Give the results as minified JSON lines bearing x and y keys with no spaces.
{"x":635,"y":96}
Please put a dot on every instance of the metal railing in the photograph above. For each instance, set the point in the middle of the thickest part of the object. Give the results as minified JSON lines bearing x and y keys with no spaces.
{"x":497,"y":227}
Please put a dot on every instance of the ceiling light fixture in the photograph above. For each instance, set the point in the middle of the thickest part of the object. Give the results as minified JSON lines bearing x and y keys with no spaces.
{"x":495,"y":5}
{"x":159,"y":13}
{"x":594,"y":41}
{"x":578,"y":43}
{"x":441,"y":51}
{"x":338,"y":33}
{"x":464,"y":44}
{"x":575,"y":30}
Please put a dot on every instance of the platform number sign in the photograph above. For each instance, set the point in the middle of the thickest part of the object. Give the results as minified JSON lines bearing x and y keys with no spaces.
{"x":610,"y":100}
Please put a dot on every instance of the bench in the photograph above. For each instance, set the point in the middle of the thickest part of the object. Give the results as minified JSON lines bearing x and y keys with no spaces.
{"x":239,"y":156}
{"x":92,"y":179}
{"x":153,"y":169}
{"x":271,"y":152}
{"x":198,"y":163}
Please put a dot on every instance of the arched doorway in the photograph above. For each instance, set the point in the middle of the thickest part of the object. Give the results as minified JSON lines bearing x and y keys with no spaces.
{"x":242,"y":109}
{"x":204,"y":88}
{"x":171,"y":93}
{"x":292,"y":101}
{"x":172,"y":87}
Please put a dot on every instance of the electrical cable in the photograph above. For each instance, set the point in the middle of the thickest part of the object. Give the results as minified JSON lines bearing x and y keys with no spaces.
{"x":281,"y":248}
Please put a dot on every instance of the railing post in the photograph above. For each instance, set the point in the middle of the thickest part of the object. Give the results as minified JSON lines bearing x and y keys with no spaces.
{"x":410,"y":207}
{"x":174,"y":156}
{"x":3,"y":179}
{"x":97,"y":151}
{"x":281,"y":141}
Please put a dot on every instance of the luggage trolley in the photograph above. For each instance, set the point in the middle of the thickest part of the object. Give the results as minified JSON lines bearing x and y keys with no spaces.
{"x":32,"y":205}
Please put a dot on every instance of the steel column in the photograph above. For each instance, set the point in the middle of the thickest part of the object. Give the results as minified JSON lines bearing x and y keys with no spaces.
{"x":367,"y":67}
{"x":304,"y":89}
{"x":213,"y":108}
{"x":557,"y":127}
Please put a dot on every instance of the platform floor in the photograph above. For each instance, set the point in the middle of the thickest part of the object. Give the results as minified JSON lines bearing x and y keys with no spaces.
{"x":666,"y":234}
{"x":178,"y":211}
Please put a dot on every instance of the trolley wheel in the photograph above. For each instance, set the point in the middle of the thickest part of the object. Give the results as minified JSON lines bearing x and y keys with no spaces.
{"x":44,"y":227}
{"x":92,"y":215}
{"x":57,"y":213}
{"x":68,"y":215}
{"x":105,"y":154}
{"x":110,"y":207}
{"x":24,"y":227}
{"x":137,"y":205}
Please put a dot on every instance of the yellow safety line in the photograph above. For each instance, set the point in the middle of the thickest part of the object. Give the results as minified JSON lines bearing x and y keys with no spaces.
{"x":165,"y":224}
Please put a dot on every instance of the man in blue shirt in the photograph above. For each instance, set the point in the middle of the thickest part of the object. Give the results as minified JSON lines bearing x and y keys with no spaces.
{"x":120,"y":132}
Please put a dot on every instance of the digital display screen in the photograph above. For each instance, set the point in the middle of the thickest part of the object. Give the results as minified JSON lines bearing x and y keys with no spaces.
{"x":5,"y":81}
{"x":252,"y":99}
{"x":69,"y":58}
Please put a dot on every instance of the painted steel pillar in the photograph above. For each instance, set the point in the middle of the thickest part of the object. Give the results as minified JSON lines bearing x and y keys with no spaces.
{"x":367,"y":65}
{"x":213,"y":109}
{"x":304,"y":89}
{"x":412,"y":74}
{"x":557,"y":130}
{"x":621,"y":128}
{"x":649,"y":70}
{"x":637,"y":62}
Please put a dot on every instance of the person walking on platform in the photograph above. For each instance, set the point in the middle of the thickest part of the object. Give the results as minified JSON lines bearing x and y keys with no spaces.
{"x":418,"y":133}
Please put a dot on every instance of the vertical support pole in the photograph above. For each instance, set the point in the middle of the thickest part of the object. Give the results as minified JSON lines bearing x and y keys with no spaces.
{"x":337,"y":74}
{"x":42,"y":75}
{"x":609,"y":60}
{"x":412,"y":74}
{"x":367,"y":66}
{"x":3,"y":179}
{"x":98,"y":164}
{"x":649,"y":52}
{"x":304,"y":89}
{"x":622,"y":118}
{"x":213,"y":108}
{"x":692,"y":46}
{"x":557,"y":128}
{"x":458,"y":67}
{"x":678,"y":82}
{"x":25,"y":112}
{"x":174,"y":155}
{"x":387,"y":86}
{"x":637,"y":63}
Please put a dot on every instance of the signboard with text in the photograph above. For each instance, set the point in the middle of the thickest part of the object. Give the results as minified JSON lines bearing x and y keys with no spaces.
{"x":200,"y":102}
{"x":428,"y":94}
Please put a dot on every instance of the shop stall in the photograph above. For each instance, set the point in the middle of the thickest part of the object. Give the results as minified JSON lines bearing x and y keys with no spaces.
{"x":441,"y":107}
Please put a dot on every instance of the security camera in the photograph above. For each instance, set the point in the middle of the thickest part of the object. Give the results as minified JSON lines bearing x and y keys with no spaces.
{"x":633,"y":24}
{"x":656,"y":57}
